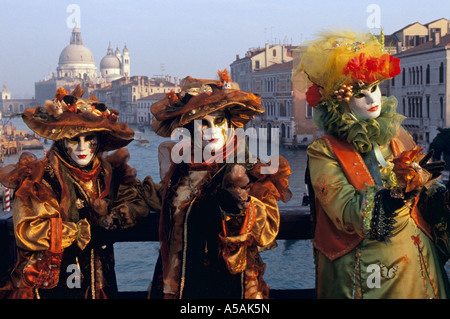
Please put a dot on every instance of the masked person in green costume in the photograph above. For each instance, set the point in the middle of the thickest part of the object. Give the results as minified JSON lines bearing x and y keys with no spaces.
{"x":380,"y":215}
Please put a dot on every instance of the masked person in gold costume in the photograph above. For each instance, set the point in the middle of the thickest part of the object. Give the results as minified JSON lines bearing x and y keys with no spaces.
{"x":379,"y":213}
{"x":217,"y":213}
{"x":66,"y":202}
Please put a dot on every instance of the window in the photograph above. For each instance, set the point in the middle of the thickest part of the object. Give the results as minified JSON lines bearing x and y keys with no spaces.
{"x":417,"y":75}
{"x":421,"y":75}
{"x":403,"y":77}
{"x":428,"y":106}
{"x":309,"y":111}
{"x":441,"y":102}
{"x":441,"y":73}
{"x":419,"y":105}
{"x":274,"y":52}
{"x":427,"y":75}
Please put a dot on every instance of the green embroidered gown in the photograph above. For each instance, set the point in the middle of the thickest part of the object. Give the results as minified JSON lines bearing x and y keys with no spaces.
{"x":407,"y":265}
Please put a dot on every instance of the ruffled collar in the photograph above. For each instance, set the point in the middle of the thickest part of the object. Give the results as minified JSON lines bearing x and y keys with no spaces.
{"x":360,"y":133}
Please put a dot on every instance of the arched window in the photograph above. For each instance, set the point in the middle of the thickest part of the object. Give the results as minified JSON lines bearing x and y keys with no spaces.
{"x":421,"y":75}
{"x":428,"y":71}
{"x":441,"y":73}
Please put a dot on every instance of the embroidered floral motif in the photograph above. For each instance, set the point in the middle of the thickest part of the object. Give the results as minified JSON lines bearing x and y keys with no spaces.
{"x":377,"y":223}
{"x":368,"y":205}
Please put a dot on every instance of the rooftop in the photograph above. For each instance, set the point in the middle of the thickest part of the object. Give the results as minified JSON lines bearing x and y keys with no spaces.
{"x":443,"y":42}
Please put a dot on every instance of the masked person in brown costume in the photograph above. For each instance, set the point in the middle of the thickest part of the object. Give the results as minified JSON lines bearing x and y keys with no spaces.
{"x":217,"y":214}
{"x":66,"y":200}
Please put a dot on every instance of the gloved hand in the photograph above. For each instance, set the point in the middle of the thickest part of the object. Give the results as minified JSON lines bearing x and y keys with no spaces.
{"x":104,"y":219}
{"x":434,"y":168}
{"x":118,"y":161}
{"x":235,"y":182}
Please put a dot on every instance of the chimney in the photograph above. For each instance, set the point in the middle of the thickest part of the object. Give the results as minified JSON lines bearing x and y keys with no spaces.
{"x":399,"y":46}
{"x":436,"y":38}
{"x":237,"y":57}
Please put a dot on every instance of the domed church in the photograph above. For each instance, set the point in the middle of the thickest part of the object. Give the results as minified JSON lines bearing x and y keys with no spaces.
{"x":115,"y":65}
{"x":76,"y":65}
{"x":76,"y":60}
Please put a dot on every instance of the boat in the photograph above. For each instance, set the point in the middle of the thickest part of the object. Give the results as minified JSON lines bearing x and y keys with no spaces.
{"x":142,"y":141}
{"x":31,"y":144}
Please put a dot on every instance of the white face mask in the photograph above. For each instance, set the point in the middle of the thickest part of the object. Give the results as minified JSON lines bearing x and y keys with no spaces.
{"x":367,"y":103}
{"x":214,"y":128}
{"x":81,"y":148}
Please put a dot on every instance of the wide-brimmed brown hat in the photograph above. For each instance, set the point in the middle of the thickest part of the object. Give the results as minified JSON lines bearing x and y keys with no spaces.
{"x":200,"y":97}
{"x":69,"y":115}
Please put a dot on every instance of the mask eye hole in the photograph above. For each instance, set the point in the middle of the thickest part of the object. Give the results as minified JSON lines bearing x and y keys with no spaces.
{"x":359,"y":95}
{"x":205,"y":124}
{"x":373,"y":88}
{"x":74,"y":140}
{"x":219,"y":120}
{"x":89,"y":138}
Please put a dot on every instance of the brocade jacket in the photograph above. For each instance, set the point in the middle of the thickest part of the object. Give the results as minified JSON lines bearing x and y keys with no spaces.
{"x":209,"y":248}
{"x":62,"y":252}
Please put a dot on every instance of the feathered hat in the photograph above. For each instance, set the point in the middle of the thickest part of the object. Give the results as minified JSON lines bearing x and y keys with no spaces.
{"x":69,"y":115}
{"x":339,"y":64}
{"x":200,"y":97}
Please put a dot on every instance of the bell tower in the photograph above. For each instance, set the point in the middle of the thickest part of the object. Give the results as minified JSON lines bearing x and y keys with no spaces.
{"x":125,"y":62}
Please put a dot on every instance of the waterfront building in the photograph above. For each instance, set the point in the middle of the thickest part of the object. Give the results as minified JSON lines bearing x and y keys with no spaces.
{"x":9,"y":105}
{"x":76,"y":66}
{"x":113,"y":85}
{"x":422,"y":88}
{"x":268,"y":72}
{"x":144,"y":116}
{"x":124,"y":93}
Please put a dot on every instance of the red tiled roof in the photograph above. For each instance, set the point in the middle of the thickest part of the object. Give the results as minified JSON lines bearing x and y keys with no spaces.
{"x":278,"y":67}
{"x":444,"y":41}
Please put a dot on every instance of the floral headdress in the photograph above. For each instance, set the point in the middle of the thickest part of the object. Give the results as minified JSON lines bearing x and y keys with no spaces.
{"x":339,"y":64}
{"x":199,"y":97}
{"x":69,"y":115}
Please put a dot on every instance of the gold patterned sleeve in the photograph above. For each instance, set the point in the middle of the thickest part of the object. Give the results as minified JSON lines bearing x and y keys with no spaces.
{"x":340,"y":200}
{"x":32,"y":224}
{"x":259,"y":226}
{"x":260,"y":223}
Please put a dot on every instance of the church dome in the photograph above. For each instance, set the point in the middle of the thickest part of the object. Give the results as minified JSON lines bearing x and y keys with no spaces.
{"x":76,"y":52}
{"x":110,"y":61}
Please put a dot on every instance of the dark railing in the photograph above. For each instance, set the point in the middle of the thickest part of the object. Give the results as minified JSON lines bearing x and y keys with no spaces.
{"x":295,"y":224}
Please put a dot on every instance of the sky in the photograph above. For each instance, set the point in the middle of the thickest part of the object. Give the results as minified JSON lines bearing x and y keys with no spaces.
{"x":181,"y":37}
